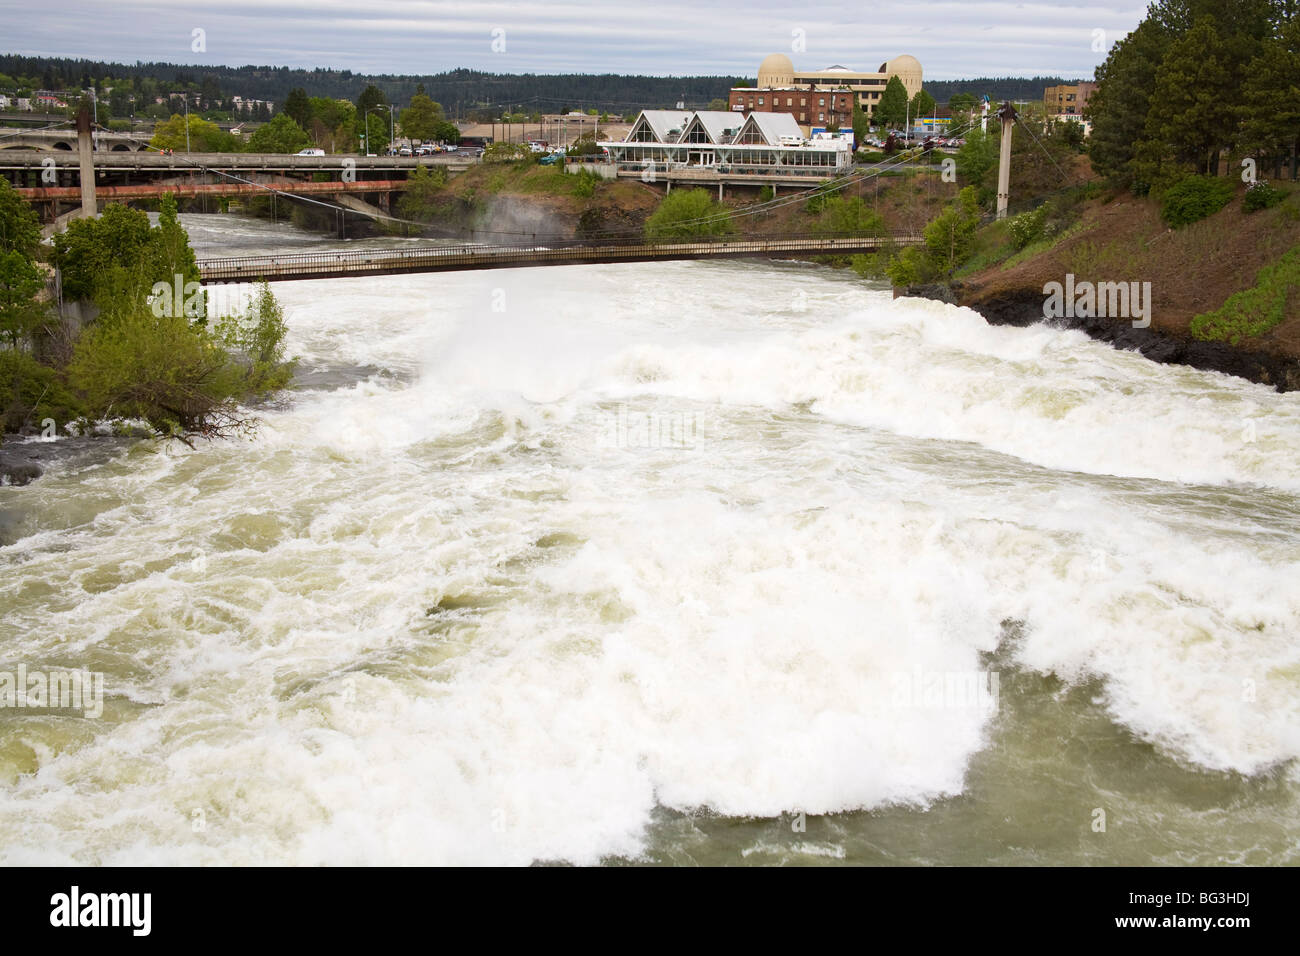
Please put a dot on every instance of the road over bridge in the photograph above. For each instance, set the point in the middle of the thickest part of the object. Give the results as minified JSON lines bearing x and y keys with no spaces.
{"x":154,"y":162}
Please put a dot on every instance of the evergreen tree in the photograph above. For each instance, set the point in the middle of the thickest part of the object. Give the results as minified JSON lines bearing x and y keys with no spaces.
{"x":923,"y":104}
{"x":861,"y":125}
{"x":371,"y":97}
{"x":297,"y":107}
{"x":1196,"y":91}
{"x":1270,"y":109}
{"x":1118,"y":107}
{"x":891,"y":111}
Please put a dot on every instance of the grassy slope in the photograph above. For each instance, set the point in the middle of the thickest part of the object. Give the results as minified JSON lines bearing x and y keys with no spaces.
{"x":501,"y":195}
{"x":1191,"y":270}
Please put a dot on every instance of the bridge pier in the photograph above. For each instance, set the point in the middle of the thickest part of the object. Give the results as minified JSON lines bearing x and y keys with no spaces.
{"x":86,"y":149}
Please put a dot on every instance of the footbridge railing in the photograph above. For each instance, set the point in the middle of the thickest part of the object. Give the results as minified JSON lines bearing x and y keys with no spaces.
{"x":449,"y":255}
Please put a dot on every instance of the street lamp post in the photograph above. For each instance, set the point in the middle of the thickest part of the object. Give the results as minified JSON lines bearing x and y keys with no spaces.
{"x":94,"y":105}
{"x":187,"y":122}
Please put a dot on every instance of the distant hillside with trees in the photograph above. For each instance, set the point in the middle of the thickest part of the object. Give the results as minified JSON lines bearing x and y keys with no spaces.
{"x":464,"y":94}
{"x":998,"y":88}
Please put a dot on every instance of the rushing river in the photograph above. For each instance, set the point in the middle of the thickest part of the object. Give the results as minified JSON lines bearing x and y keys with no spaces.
{"x":728,"y":562}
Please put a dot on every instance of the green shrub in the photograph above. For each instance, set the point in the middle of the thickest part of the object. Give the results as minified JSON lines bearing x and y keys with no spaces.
{"x":911,"y":267}
{"x":506,"y":153}
{"x":585,"y":183}
{"x":1027,"y":227}
{"x":421,"y":197}
{"x":688,"y":214}
{"x":184,"y":378}
{"x":950,"y":236}
{"x":819,"y":198}
{"x":766,"y":194}
{"x":1260,"y":195}
{"x":1193,"y":198}
{"x":1252,"y":312}
{"x":255,"y":341}
{"x":871,"y":265}
{"x":843,"y":214}
{"x":584,"y":145}
{"x":20,"y":283}
{"x":31,"y":393}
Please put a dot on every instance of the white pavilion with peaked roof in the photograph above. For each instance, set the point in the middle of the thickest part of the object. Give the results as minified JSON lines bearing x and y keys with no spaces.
{"x":726,"y":142}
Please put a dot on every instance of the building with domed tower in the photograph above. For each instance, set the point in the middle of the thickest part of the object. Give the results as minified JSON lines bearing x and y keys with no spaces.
{"x":818,"y":97}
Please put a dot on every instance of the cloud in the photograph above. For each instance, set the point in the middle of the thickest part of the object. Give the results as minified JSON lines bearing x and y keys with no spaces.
{"x":668,"y":37}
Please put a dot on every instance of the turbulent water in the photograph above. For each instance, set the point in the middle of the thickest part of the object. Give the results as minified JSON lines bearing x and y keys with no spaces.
{"x":664,"y":563}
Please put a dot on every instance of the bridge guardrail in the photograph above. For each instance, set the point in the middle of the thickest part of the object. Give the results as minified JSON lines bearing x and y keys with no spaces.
{"x":470,"y":254}
{"x":153,"y":160}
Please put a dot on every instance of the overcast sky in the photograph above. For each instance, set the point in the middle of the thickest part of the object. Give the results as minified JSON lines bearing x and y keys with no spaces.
{"x":951,"y":38}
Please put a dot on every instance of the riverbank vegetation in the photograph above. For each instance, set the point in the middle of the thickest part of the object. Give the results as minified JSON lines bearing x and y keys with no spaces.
{"x":688,"y":214}
{"x":1186,"y":183}
{"x":140,"y":348}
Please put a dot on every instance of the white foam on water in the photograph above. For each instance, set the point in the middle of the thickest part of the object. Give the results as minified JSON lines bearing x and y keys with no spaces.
{"x":440,"y":617}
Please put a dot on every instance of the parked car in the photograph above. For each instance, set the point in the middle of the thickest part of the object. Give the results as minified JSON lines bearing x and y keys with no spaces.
{"x":404,"y":151}
{"x":311,"y":151}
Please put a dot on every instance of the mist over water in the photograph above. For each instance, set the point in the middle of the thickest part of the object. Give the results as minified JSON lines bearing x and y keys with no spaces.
{"x":639,"y":563}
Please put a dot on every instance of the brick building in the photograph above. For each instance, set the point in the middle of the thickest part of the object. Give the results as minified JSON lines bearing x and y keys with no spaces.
{"x":821,"y":97}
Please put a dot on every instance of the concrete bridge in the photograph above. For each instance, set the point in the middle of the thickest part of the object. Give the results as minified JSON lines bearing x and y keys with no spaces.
{"x":191,"y":190}
{"x":151,"y":161}
{"x":458,"y":256}
{"x":52,"y":177}
{"x":65,"y":140}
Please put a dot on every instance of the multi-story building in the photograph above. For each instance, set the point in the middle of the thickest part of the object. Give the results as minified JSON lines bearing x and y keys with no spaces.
{"x":49,"y":99}
{"x":821,"y":97}
{"x":1067,"y":100}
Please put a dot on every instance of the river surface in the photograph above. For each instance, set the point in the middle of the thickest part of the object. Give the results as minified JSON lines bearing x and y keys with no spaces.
{"x":721,"y":563}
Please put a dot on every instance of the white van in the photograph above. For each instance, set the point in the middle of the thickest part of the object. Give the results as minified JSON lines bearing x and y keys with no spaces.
{"x":311,"y":151}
